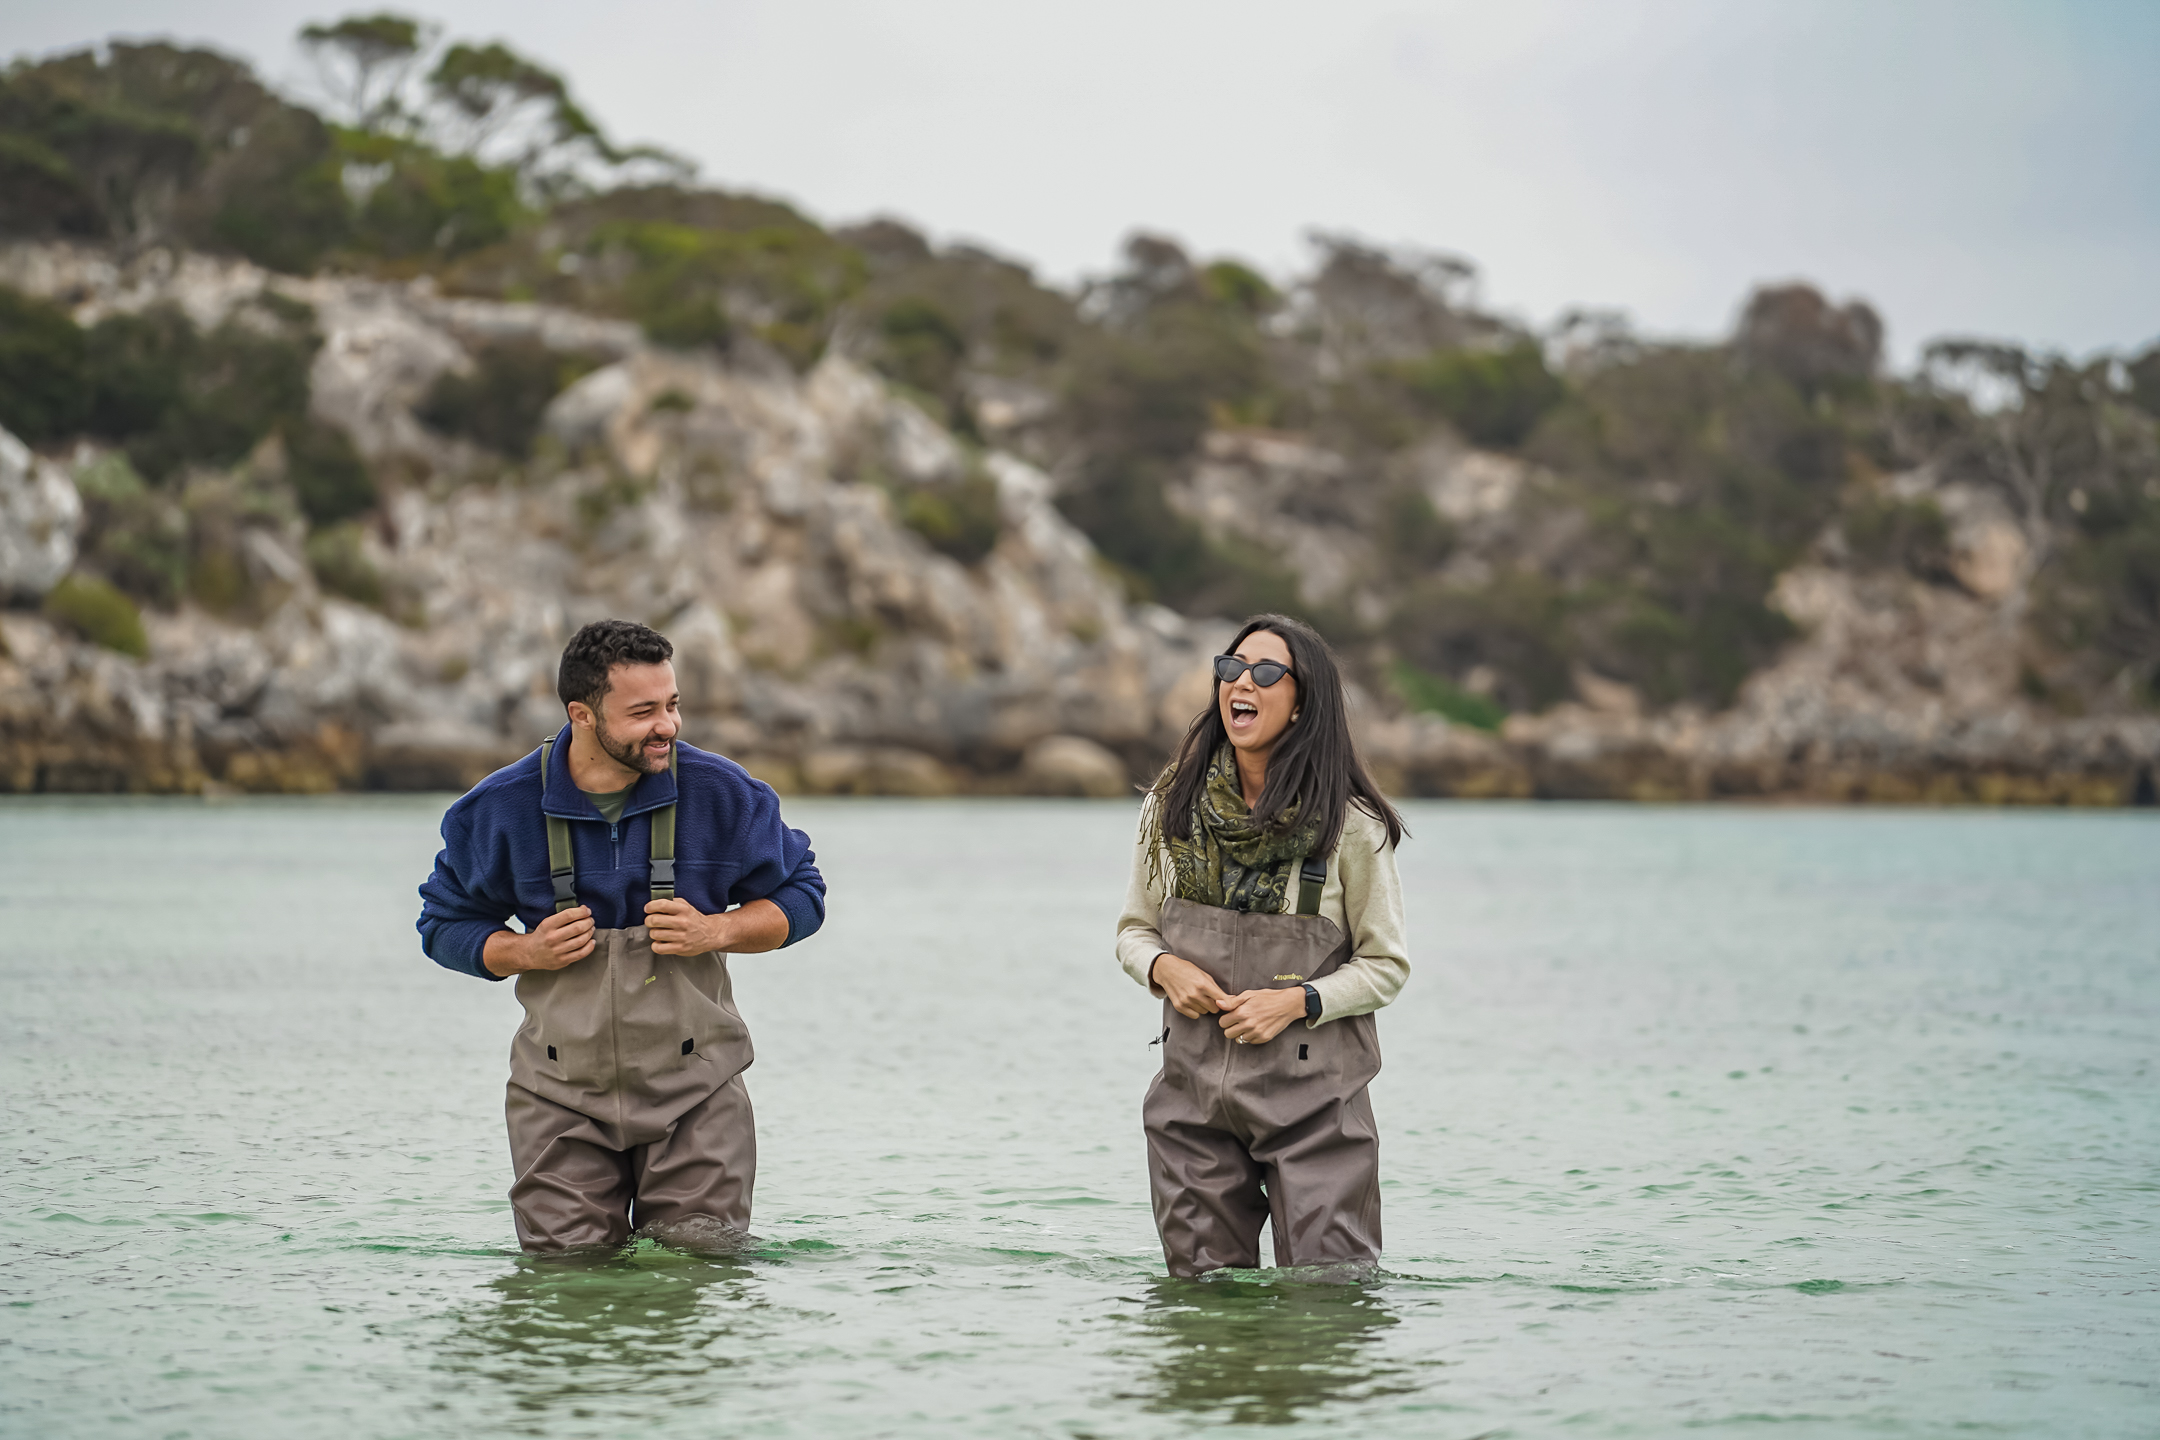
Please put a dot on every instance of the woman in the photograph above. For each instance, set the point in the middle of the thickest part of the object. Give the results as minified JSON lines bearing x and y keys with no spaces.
{"x":1264,"y":897}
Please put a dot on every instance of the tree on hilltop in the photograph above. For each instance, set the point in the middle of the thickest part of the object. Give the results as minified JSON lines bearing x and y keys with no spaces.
{"x":484,"y":103}
{"x":152,"y":143}
{"x":365,"y":62}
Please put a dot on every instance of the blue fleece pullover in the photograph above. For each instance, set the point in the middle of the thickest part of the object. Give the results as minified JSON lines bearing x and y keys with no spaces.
{"x":730,"y":848}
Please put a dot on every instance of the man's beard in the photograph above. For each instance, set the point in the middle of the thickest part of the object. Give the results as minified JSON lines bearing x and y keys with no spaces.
{"x":630,"y":756}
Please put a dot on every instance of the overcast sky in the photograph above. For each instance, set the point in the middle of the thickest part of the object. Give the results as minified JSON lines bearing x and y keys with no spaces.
{"x":1969,"y":166}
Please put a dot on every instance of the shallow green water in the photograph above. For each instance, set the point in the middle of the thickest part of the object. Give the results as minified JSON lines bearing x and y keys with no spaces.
{"x":1837,"y":1123}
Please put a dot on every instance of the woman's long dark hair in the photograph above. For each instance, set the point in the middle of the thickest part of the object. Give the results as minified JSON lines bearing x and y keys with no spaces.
{"x":1315,"y":763}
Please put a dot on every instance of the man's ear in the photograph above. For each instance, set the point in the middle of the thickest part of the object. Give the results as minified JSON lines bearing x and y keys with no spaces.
{"x":581,"y":714}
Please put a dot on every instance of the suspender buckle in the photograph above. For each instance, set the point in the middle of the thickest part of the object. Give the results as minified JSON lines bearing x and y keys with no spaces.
{"x":1312,"y":879}
{"x":663,"y":872}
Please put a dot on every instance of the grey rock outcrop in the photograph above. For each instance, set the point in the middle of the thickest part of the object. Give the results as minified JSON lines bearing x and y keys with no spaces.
{"x":1073,"y":765}
{"x":39,"y":515}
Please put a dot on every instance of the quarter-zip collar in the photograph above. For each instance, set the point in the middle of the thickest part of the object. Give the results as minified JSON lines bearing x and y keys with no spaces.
{"x":559,"y":794}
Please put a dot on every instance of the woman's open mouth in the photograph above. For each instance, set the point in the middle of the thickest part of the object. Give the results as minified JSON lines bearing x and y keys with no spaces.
{"x":1242,"y":714}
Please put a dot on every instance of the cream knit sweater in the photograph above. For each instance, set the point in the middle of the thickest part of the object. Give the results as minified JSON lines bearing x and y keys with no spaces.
{"x":1363,"y":896}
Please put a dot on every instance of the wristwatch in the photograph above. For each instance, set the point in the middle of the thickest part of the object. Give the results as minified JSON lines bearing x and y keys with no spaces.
{"x":1312,"y":1003}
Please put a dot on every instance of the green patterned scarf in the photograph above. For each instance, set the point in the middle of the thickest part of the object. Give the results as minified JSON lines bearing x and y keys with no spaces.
{"x":1230,"y":861}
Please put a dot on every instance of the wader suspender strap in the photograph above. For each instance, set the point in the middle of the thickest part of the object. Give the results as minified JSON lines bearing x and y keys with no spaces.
{"x":663,"y":843}
{"x":1312,"y":879}
{"x":562,"y":870}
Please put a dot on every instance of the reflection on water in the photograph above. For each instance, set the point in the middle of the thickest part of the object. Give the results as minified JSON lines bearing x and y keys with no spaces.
{"x":1249,"y":1353}
{"x":569,"y":1330}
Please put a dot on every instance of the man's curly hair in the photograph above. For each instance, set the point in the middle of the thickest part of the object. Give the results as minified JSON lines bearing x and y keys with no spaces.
{"x":600,"y":647}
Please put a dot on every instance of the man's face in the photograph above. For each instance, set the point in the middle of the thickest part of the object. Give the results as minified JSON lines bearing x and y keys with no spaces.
{"x":639,"y":716}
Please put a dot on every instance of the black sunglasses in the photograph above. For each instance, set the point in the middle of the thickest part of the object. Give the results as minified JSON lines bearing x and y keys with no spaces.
{"x":1264,"y":672}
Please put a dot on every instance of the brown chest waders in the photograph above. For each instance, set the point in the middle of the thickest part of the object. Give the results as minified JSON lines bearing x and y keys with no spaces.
{"x":1238,"y":1134}
{"x":626,"y":1089}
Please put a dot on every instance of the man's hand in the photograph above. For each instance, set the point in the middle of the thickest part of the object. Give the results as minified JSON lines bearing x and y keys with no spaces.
{"x":1192,"y":991}
{"x":1254,"y":1017}
{"x":678,"y":929}
{"x":564,"y":938}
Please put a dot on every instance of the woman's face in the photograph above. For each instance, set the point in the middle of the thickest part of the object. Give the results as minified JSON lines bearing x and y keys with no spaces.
{"x":1256,"y":718}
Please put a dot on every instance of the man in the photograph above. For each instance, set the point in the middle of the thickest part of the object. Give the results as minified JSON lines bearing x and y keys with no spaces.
{"x":635,"y":863}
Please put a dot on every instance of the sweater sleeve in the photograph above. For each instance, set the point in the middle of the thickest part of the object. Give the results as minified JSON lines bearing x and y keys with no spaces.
{"x":1370,"y":894}
{"x":1139,"y":940}
{"x":785,"y":871}
{"x":456,"y":919}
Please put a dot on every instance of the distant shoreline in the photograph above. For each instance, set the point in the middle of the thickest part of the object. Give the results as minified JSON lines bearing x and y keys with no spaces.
{"x":1513,"y":774}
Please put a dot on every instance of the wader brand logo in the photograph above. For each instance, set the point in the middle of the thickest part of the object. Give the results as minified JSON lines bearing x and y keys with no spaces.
{"x":1289,"y":977}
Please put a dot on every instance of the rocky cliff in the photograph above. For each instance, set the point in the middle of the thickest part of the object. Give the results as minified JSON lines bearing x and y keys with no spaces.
{"x":747,"y":513}
{"x":793,"y":534}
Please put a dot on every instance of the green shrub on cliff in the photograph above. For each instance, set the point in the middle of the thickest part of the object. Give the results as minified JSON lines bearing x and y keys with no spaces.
{"x":925,"y":316}
{"x":222,"y":509}
{"x":500,"y":402}
{"x":1887,"y":533}
{"x":2102,"y":597}
{"x":1494,"y":397}
{"x":341,"y":565}
{"x":134,"y":536}
{"x":2143,"y":373}
{"x":1422,"y":690}
{"x":681,"y":279}
{"x":960,"y":519}
{"x":1516,"y":627}
{"x":44,"y":379}
{"x":1239,"y":286}
{"x":693,"y":268}
{"x":328,"y":478}
{"x":1413,"y":538}
{"x":175,"y":396}
{"x":97,"y":611}
{"x":417,"y":202}
{"x":922,"y":346}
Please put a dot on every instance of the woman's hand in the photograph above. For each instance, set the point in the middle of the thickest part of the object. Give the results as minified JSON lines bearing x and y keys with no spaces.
{"x":1192,"y":991}
{"x":1254,"y":1017}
